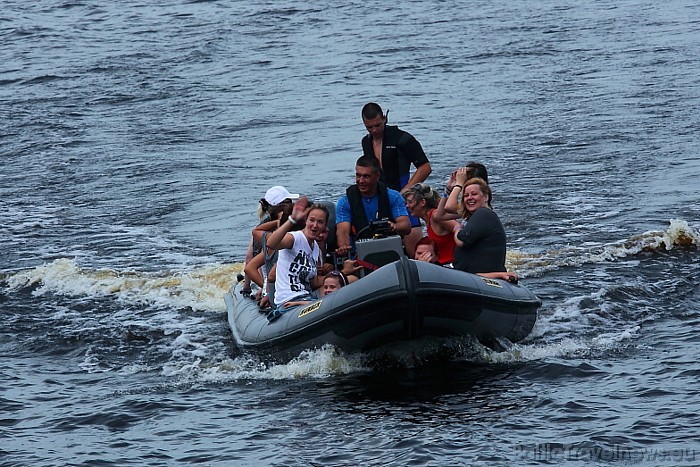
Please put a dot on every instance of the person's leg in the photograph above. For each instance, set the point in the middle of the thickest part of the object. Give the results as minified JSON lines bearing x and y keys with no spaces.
{"x":248,"y":257}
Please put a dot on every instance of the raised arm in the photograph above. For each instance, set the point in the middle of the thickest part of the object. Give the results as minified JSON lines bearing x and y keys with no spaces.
{"x":442,"y":217}
{"x":419,"y":176}
{"x":281,"y":238}
{"x":264,"y":227}
{"x":461,"y":175}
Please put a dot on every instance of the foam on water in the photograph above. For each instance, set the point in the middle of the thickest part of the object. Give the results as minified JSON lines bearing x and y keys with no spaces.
{"x":321,"y":362}
{"x":200,"y":288}
{"x":193,"y":353}
{"x":680,"y":234}
{"x":567,"y":347}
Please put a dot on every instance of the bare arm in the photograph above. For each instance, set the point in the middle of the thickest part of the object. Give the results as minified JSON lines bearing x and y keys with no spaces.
{"x":442,"y":217}
{"x":460,"y":176}
{"x":264,"y":227}
{"x":252,"y":269}
{"x":402,"y":226}
{"x":281,"y":238}
{"x":342,"y":235}
{"x":419,"y":176}
{"x":296,"y":303}
{"x":452,"y":201}
{"x":506,"y":276}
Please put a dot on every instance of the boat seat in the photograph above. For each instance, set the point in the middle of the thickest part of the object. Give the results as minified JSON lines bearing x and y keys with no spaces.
{"x":379,"y":251}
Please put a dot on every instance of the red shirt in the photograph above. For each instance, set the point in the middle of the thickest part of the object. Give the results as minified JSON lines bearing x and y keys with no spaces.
{"x":445,"y":243}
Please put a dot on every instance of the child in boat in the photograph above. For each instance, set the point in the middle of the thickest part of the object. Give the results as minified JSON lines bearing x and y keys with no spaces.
{"x":427,"y":250}
{"x":333,"y":281}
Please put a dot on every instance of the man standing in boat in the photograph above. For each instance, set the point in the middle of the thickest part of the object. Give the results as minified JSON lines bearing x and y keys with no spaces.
{"x":368,"y":200}
{"x":395,"y":150}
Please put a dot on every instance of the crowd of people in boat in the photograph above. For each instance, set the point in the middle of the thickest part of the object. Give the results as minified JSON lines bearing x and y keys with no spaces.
{"x":289,"y":246}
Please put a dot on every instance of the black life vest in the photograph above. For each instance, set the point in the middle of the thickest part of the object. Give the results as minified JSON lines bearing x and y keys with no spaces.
{"x":357,"y":208}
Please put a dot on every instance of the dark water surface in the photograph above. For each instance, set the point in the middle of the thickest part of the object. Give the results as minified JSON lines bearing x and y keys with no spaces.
{"x":137,"y":137}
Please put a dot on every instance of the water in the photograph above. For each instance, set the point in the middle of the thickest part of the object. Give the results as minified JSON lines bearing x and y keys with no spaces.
{"x":136,"y":139}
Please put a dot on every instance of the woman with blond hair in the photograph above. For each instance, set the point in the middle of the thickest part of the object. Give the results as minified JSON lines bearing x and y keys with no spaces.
{"x":422,"y":201}
{"x":481,"y":243}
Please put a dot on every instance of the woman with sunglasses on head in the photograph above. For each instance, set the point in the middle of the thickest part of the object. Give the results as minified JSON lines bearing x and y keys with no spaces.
{"x":422,"y":201}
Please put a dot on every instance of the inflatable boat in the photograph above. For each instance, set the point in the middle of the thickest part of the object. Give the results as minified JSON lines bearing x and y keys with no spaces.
{"x":402,"y":300}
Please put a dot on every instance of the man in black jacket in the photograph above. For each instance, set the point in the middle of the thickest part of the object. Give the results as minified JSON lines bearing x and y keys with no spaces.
{"x":396,"y":150}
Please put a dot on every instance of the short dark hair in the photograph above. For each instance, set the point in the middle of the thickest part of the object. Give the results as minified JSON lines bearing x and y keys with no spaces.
{"x":367,"y":160}
{"x":371,"y":110}
{"x":477,"y":170}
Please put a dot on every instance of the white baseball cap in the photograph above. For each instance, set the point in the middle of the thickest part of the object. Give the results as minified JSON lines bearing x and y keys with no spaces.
{"x":277,"y":194}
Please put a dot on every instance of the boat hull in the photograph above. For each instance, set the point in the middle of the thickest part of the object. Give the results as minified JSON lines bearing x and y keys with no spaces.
{"x":402,"y":301}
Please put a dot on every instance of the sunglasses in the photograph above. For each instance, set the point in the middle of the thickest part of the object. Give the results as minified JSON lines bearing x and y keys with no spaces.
{"x":421,"y":190}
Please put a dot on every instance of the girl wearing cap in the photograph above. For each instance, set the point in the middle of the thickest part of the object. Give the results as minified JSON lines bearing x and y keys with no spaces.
{"x":276,"y":199}
{"x":278,"y":194}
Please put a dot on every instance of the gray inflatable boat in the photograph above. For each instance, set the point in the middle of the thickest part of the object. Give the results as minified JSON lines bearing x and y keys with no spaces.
{"x":402,"y":300}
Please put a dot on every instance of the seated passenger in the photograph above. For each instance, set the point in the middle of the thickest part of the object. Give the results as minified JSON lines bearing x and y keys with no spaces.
{"x":422,"y":201}
{"x":481,"y":243}
{"x":427,"y":250}
{"x":333,"y":281}
{"x":368,"y":199}
{"x":254,"y":269}
{"x":275,"y":197}
{"x":299,"y":255}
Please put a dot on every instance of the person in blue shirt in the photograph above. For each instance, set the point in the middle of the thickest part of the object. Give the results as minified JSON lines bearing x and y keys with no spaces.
{"x":368,"y":199}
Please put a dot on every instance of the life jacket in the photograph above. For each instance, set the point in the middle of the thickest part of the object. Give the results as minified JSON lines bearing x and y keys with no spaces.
{"x":357,"y":208}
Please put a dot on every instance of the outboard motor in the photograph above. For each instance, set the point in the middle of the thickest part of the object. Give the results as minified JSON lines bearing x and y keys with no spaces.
{"x":380,"y":247}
